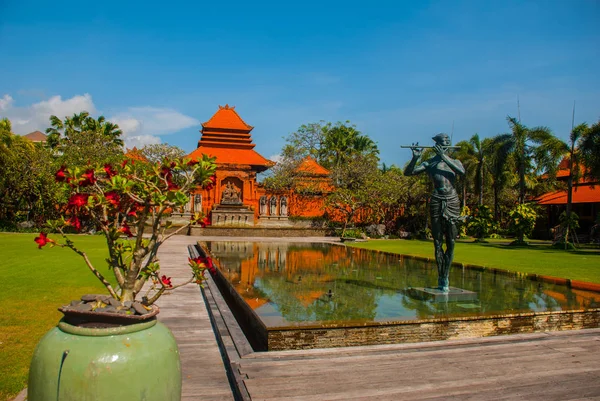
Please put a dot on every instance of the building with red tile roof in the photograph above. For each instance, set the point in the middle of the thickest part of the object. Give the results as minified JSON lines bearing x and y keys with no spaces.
{"x":585,"y":201}
{"x":227,"y":138}
{"x":36,"y":136}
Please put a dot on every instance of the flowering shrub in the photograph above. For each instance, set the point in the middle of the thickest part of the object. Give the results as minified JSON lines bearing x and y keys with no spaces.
{"x":482,"y":222}
{"x":130,"y":204}
{"x":522,"y":221}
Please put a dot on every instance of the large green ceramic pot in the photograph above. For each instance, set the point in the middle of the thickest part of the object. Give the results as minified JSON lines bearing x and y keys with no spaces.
{"x":132,"y":362}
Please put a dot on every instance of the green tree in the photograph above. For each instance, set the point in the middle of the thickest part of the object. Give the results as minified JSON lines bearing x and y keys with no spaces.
{"x":340,"y":142}
{"x":481,"y":223}
{"x":473,"y":154}
{"x":332,"y":145}
{"x":522,"y":221}
{"x":589,"y":149}
{"x":28,"y":191}
{"x":534,"y":150}
{"x":307,"y":141}
{"x":156,"y":153}
{"x":500,"y":165}
{"x":81,"y":140}
{"x":357,"y":184}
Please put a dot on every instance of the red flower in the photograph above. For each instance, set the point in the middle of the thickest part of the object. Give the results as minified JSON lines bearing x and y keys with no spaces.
{"x":211,"y":184}
{"x":60,"y":175}
{"x":109,"y":170}
{"x":171,"y":186}
{"x":113,"y":198}
{"x":206,"y":261}
{"x":88,"y":178}
{"x":211,"y":267}
{"x":166,"y":173}
{"x":42,"y":240}
{"x":166,"y":281}
{"x":204,"y":222}
{"x":135,"y":207}
{"x":75,"y":223}
{"x":192,"y":162}
{"x":78,"y":200}
{"x":126,"y":230}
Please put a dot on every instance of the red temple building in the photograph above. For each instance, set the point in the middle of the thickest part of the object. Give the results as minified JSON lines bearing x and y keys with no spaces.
{"x":237,"y":198}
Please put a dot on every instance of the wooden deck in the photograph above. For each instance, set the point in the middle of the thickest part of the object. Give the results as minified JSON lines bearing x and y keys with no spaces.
{"x":549,"y":366}
{"x":184,"y":312}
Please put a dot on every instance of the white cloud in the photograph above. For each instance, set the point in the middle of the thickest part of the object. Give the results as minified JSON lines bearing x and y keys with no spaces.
{"x":5,"y":102}
{"x":140,"y":140}
{"x":276,"y":158}
{"x":143,"y":125}
{"x":36,"y":116}
{"x":140,"y":125}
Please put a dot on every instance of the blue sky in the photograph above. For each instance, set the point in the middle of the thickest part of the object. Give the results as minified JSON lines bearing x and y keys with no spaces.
{"x":401,"y":71}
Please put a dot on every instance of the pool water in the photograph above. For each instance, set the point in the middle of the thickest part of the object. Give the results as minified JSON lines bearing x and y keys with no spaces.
{"x":294,"y":284}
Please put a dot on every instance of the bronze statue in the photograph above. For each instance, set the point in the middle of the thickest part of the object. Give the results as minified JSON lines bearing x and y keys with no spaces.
{"x":444,"y":206}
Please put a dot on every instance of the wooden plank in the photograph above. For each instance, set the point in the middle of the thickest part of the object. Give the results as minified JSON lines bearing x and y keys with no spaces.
{"x":204,"y":374}
{"x":438,"y":383}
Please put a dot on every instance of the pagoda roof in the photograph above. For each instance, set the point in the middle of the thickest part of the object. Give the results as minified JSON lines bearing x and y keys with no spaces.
{"x":135,"y":155}
{"x":226,"y":129}
{"x":233,"y":156}
{"x":36,"y":136}
{"x":227,"y":137}
{"x":587,"y":193}
{"x":227,"y":118}
{"x":310,"y":166}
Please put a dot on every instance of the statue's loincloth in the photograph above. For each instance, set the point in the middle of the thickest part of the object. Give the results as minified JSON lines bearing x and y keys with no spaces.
{"x":446,"y":207}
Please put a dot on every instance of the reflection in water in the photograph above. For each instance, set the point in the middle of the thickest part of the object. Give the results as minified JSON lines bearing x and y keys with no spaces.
{"x":288,"y":283}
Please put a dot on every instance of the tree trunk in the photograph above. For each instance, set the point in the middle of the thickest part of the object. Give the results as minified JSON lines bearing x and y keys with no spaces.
{"x":480,"y":185}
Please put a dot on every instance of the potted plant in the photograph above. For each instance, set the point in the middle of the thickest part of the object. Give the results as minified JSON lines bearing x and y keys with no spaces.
{"x":109,"y":346}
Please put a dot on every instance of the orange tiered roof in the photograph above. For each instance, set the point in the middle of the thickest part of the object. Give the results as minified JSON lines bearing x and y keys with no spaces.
{"x":227,"y":137}
{"x":136,"y":155}
{"x":311,"y":167}
{"x":581,"y":194}
{"x":232,"y":156}
{"x":227,"y":118}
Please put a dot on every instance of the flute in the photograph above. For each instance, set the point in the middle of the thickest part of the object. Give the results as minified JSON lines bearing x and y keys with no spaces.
{"x":428,"y":147}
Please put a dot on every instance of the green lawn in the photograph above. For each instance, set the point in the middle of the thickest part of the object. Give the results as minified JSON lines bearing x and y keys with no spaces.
{"x":539,"y":257}
{"x":35,"y":282}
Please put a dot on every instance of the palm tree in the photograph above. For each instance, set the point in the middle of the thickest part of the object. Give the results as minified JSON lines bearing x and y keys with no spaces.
{"x":71,"y":128}
{"x":473,"y":155}
{"x":499,"y":152}
{"x":576,"y":133}
{"x":533,"y":150}
{"x":82,"y":139}
{"x":65,"y":131}
{"x":589,"y":150}
{"x":341,"y":143}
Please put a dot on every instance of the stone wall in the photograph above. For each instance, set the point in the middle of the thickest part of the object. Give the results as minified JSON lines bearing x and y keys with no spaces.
{"x":433,"y":330}
{"x":250,"y":232}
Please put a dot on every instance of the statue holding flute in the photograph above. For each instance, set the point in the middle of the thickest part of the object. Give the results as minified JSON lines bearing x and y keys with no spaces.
{"x":444,"y":207}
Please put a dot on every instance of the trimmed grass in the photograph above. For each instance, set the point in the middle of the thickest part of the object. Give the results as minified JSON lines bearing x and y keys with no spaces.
{"x":538,"y":258}
{"x":35,"y":282}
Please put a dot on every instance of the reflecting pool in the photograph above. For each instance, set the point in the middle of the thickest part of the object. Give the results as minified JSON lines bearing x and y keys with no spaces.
{"x":296,"y":284}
